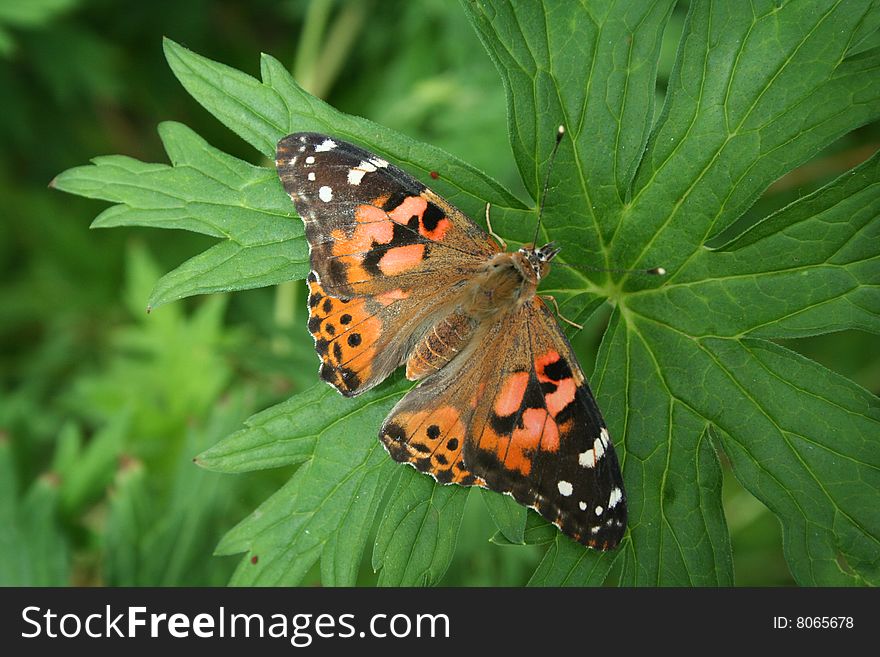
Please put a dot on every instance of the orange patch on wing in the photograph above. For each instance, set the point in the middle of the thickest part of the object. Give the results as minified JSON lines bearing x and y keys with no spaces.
{"x":345,"y":333}
{"x":539,"y":432}
{"x":360,"y":362}
{"x":401,"y":259}
{"x":412,"y":205}
{"x":543,"y":361}
{"x":367,"y":214}
{"x":561,"y":397}
{"x":510,"y":398}
{"x":439,"y":231}
{"x":389,"y":297}
{"x":566,"y":388}
{"x":372,"y":227}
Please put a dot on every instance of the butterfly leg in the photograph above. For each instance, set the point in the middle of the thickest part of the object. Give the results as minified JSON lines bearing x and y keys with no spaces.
{"x":495,"y":235}
{"x":559,"y":314}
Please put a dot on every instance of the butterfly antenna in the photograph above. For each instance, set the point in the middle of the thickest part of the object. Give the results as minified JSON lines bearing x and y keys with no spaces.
{"x":653,"y":271}
{"x":560,"y":132}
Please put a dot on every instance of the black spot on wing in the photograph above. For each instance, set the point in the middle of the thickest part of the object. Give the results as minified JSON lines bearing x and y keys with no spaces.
{"x":503,"y":425}
{"x":336,"y":272}
{"x":534,"y":395}
{"x":394,"y":431}
{"x":314,"y":324}
{"x":431,"y":217}
{"x":558,"y":371}
{"x":394,"y":200}
{"x":444,"y":476}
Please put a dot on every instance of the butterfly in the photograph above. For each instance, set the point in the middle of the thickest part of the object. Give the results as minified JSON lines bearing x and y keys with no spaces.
{"x":401,"y":277}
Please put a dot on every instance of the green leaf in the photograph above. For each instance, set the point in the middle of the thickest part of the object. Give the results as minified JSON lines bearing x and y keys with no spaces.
{"x":417,"y":535}
{"x":329,"y":504}
{"x":752,"y":95}
{"x":757,"y":89}
{"x":262,"y":113}
{"x":208,"y":192}
{"x":507,"y":514}
{"x":828,"y":287}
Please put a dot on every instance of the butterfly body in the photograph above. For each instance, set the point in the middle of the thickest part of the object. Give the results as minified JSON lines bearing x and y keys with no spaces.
{"x":401,"y":277}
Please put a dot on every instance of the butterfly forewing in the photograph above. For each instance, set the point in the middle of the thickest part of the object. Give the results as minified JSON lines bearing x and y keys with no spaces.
{"x":384,"y":256}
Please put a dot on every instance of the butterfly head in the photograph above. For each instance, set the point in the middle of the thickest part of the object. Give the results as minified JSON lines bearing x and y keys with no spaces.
{"x":535,"y":263}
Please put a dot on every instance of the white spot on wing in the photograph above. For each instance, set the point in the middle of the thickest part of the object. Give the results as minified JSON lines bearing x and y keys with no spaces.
{"x":310,"y":160}
{"x":595,"y":530}
{"x":565,"y":488}
{"x":379,"y":162}
{"x":356,"y":174}
{"x":599,"y":510}
{"x":312,"y":176}
{"x":292,"y":161}
{"x":583,"y":506}
{"x":589,"y":458}
{"x":326,"y":145}
{"x":616,"y":496}
{"x":325,"y":194}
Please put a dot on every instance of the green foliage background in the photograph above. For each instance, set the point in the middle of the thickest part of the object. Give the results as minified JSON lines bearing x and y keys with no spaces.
{"x":103,"y":407}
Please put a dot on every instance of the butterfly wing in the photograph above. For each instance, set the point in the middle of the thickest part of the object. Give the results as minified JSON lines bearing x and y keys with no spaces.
{"x":523,"y":422}
{"x":387,"y":254}
{"x":371,"y":227}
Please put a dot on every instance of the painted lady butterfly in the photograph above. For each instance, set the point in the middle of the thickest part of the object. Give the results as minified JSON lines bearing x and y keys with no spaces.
{"x":401,"y":276}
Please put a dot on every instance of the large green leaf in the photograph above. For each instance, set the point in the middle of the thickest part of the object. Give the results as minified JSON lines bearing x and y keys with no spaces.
{"x":685,"y":367}
{"x":327,"y":508}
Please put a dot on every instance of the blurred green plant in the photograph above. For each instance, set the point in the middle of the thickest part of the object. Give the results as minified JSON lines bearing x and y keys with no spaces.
{"x":127,"y":497}
{"x":686,"y":365}
{"x":27,"y":15}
